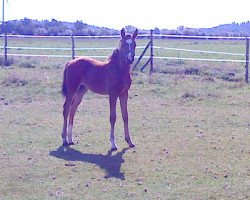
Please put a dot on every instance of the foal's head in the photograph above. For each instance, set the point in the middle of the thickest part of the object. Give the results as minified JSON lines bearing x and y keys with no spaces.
{"x":127,"y":46}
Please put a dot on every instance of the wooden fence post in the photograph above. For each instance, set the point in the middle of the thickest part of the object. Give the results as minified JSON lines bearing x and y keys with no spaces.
{"x":73,"y":47}
{"x":247,"y":60}
{"x":151,"y":52}
{"x":5,"y":50}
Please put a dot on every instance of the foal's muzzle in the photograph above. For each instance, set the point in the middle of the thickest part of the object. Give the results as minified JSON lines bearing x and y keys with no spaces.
{"x":130,"y":57}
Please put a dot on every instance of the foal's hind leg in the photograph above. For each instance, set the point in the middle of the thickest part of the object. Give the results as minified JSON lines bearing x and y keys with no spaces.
{"x":77,"y":100}
{"x":66,"y":109}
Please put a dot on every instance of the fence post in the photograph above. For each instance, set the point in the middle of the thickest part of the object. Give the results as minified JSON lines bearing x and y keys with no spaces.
{"x":151,"y":52}
{"x":247,"y":60}
{"x":73,"y":47}
{"x":5,"y":50}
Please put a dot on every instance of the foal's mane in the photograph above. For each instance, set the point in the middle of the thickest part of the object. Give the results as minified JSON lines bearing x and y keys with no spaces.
{"x":114,"y":55}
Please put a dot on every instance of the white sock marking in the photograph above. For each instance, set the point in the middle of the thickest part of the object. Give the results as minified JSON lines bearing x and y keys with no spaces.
{"x":70,"y":134}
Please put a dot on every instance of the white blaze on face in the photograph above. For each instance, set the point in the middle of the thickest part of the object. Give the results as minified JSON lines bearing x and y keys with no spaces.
{"x":129,"y":56}
{"x":129,"y":42}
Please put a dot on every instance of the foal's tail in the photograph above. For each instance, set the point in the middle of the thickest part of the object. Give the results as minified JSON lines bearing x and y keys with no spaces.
{"x":64,"y":83}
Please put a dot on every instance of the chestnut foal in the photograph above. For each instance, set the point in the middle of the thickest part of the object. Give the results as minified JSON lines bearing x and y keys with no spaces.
{"x":111,"y":77}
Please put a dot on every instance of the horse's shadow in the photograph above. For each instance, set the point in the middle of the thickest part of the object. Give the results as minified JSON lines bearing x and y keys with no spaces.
{"x":109,"y":163}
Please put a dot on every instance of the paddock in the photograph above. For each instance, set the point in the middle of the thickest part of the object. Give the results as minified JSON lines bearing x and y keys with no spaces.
{"x":191,"y":132}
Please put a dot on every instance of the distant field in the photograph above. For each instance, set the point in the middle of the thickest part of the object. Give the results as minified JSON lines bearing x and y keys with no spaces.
{"x":191,"y":130}
{"x":230,"y":46}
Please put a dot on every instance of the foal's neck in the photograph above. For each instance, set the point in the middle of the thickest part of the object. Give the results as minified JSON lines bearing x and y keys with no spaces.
{"x":124,"y":67}
{"x":119,"y":64}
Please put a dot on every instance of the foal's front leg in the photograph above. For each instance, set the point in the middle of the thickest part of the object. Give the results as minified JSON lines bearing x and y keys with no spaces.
{"x":112,"y":104}
{"x":124,"y":108}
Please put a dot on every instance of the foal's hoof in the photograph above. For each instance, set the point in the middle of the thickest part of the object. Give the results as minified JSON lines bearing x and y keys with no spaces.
{"x":65,"y":144}
{"x":114,"y":149}
{"x":72,"y":143}
{"x":131,"y":144}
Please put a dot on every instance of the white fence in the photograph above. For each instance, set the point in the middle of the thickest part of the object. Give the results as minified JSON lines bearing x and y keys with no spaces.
{"x":69,"y":49}
{"x":202,"y":51}
{"x":5,"y":48}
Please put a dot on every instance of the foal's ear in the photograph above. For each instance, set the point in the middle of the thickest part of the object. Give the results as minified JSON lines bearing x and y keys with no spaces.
{"x":123,"y":33}
{"x":135,"y":34}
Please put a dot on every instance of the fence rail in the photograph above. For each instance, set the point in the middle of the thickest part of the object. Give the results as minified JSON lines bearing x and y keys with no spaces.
{"x":140,"y":36}
{"x":198,"y":37}
{"x":200,"y":51}
{"x":150,"y":46}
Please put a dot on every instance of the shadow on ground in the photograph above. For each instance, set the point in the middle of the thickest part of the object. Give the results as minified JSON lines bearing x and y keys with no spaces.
{"x":110,"y":164}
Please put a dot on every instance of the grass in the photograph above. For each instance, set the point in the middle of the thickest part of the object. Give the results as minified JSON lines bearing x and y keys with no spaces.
{"x":193,"y":145}
{"x":191,"y":132}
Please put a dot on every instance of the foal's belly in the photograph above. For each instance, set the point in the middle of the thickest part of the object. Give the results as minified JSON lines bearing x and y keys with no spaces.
{"x":105,"y":86}
{"x":99,"y":89}
{"x":105,"y":81}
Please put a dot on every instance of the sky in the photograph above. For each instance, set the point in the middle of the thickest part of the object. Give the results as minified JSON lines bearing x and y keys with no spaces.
{"x":144,"y":14}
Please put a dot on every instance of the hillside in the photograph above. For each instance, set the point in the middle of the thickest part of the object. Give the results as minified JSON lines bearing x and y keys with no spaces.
{"x":234,"y":29}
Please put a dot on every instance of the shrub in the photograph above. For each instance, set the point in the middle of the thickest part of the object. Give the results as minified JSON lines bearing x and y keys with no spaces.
{"x":14,"y":79}
{"x":192,"y":71}
{"x":27,"y":64}
{"x":188,"y":94}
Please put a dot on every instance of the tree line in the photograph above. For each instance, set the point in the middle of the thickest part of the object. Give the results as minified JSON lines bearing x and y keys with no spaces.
{"x":54,"y":28}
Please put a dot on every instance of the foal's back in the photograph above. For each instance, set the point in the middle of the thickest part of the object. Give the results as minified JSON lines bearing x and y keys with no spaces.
{"x":88,"y":72}
{"x":96,"y":76}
